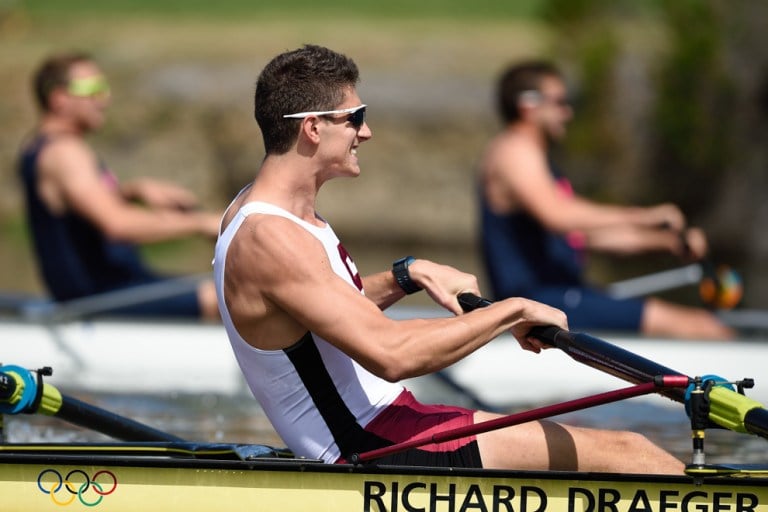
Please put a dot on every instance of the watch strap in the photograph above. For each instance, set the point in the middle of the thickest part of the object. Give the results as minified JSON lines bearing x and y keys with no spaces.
{"x":403,"y":275}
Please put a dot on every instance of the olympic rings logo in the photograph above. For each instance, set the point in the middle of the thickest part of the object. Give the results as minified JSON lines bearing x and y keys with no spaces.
{"x":77,"y":484}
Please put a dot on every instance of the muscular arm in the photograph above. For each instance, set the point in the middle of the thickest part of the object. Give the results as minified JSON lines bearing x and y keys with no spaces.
{"x":70,"y":180}
{"x":280,"y":284}
{"x":159,"y":194}
{"x":441,"y":282}
{"x":520,"y":176}
{"x":517,"y":176}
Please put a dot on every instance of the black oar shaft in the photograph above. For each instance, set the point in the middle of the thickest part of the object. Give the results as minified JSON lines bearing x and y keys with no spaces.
{"x":94,"y":418}
{"x":756,"y":421}
{"x":728,"y":408}
{"x":608,"y":358}
{"x":23,"y":393}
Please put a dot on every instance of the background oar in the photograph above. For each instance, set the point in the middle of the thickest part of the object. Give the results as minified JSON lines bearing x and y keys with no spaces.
{"x":728,"y":408}
{"x":23,"y":393}
{"x":104,"y":303}
{"x":720,"y":287}
{"x":656,"y":282}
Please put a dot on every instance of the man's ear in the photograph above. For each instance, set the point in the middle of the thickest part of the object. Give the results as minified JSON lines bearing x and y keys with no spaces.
{"x":310,"y":129}
{"x":528,"y":100}
{"x":57,"y":99}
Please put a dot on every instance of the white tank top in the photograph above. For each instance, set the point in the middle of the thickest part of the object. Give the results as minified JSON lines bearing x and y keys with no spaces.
{"x":316,"y":397}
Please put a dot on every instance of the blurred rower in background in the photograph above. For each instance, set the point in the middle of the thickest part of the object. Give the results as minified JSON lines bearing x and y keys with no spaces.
{"x":87,"y":226}
{"x":534,"y":227}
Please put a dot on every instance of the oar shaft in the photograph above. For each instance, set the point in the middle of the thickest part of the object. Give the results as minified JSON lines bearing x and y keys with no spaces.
{"x":756,"y":422}
{"x":607,"y":358}
{"x":656,"y":282}
{"x":116,"y":426}
{"x":22,"y":393}
{"x":728,"y":408}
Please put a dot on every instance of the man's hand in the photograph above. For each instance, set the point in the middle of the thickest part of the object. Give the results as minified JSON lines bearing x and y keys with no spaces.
{"x":443,"y":283}
{"x":666,"y":215}
{"x":693,"y":244}
{"x":535,"y":314}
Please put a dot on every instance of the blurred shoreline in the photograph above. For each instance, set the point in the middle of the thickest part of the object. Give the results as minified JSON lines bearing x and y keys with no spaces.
{"x":181,"y":110}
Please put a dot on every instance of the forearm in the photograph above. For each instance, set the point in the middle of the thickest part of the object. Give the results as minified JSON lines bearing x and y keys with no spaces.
{"x":582,"y":215}
{"x":412,"y":348}
{"x":382,"y":289}
{"x":462,"y":335}
{"x":159,"y":194}
{"x":627,"y":240}
{"x":138,"y":225}
{"x":579,"y":214}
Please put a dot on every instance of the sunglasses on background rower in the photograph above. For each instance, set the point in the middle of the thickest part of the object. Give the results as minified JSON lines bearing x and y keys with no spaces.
{"x":538,"y":97}
{"x":88,"y":87}
{"x":356,"y":115}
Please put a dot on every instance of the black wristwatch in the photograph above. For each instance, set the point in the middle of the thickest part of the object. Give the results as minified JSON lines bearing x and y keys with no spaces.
{"x":403,"y":276}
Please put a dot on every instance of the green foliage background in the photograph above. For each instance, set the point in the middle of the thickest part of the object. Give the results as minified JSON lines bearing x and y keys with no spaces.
{"x":671,"y":99}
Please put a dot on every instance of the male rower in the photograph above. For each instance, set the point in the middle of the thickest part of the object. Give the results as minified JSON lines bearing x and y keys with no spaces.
{"x":85,"y":224}
{"x":309,"y":333}
{"x":535,"y":229}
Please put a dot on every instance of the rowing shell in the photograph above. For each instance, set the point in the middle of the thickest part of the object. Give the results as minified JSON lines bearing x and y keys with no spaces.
{"x":121,"y":356}
{"x":179,"y":476}
{"x":126,"y":356}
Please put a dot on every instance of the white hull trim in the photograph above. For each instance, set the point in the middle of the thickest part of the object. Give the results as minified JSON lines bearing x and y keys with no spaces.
{"x":190,"y":357}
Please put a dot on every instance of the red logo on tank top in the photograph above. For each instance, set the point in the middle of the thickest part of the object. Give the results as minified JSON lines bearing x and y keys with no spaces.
{"x":351,"y":267}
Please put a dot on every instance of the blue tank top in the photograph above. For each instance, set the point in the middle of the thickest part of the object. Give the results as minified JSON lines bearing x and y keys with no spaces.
{"x":74,"y":258}
{"x":521,"y":256}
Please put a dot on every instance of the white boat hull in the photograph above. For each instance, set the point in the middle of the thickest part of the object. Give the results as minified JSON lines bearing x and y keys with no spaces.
{"x":190,"y":357}
{"x":126,"y":356}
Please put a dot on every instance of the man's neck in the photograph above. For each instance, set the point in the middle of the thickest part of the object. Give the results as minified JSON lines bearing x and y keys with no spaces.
{"x":530,"y":132}
{"x":54,"y":125}
{"x":284,"y":182}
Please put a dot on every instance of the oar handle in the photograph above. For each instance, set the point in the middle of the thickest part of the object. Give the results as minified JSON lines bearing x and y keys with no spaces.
{"x":546,"y":333}
{"x":549,"y":334}
{"x":593,"y":352}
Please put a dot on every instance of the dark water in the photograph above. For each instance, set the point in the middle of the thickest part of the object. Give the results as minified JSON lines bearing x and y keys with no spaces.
{"x":239,"y":419}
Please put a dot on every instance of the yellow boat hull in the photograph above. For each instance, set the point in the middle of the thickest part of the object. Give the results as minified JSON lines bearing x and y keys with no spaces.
{"x":148,"y":483}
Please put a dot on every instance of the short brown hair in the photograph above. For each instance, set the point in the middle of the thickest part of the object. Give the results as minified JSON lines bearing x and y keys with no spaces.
{"x":517,"y":79}
{"x":311,"y":78}
{"x":53,"y":73}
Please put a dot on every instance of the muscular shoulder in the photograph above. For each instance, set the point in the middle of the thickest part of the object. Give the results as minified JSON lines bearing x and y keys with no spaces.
{"x":273,"y":269}
{"x":509,"y":151}
{"x":511,"y":165}
{"x":65,"y":156}
{"x":282,"y":248}
{"x":67,"y":169}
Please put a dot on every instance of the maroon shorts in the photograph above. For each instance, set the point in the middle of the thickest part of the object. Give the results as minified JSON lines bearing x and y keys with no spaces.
{"x":407,"y":419}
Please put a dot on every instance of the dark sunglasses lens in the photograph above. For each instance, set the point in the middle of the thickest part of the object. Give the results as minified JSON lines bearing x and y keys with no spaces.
{"x":357,"y":118}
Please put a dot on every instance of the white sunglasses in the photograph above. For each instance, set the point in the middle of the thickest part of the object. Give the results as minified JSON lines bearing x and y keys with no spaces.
{"x":356,"y":114}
